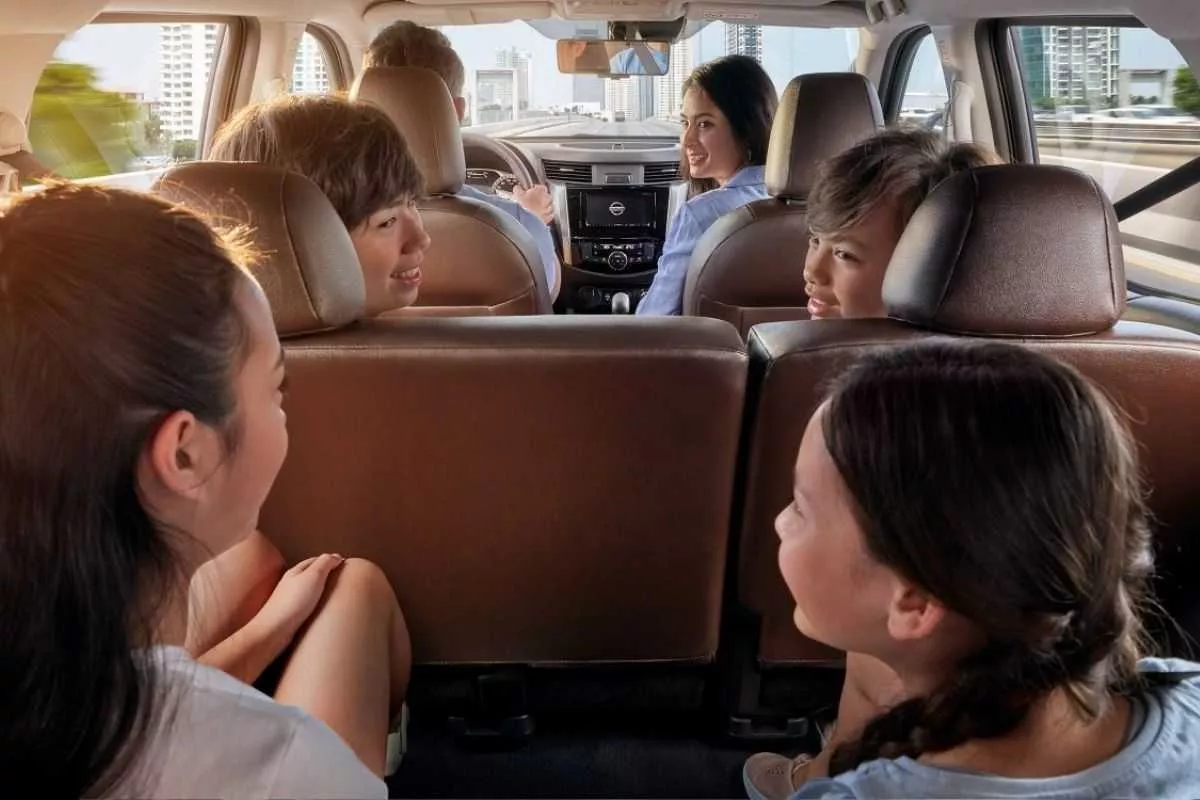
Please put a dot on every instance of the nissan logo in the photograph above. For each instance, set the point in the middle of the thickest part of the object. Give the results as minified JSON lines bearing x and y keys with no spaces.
{"x":617,"y":208}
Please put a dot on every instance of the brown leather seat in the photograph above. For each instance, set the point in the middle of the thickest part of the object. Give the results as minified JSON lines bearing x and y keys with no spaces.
{"x":480,"y":260}
{"x":748,"y":267}
{"x":980,"y":259}
{"x":539,"y":490}
{"x":307,"y":265}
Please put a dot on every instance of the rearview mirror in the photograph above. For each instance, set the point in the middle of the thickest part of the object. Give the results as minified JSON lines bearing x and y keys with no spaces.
{"x":612,"y":58}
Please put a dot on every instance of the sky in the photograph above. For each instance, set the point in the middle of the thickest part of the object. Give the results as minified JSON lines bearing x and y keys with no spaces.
{"x":127,"y":55}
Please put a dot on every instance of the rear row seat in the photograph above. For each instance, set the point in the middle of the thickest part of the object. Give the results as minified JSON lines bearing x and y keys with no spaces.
{"x":569,"y":491}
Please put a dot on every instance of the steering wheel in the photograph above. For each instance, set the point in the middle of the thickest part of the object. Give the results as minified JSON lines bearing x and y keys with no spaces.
{"x":502,"y":151}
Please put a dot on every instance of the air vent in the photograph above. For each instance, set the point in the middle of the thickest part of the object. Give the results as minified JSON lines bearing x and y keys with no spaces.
{"x":567,"y":171}
{"x":661,"y":174}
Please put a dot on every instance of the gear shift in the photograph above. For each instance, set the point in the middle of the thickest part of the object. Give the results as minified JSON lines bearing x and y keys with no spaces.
{"x":620,"y":303}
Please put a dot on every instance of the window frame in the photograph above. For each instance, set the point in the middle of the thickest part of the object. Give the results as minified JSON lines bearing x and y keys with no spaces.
{"x":897,"y":69}
{"x":337,"y":56}
{"x":221,"y":85}
{"x":1010,"y":81}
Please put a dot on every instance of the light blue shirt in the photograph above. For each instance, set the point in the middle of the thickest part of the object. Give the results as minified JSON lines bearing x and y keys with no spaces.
{"x":1161,"y":759}
{"x":627,"y":62}
{"x":539,"y":230}
{"x":694,"y":218}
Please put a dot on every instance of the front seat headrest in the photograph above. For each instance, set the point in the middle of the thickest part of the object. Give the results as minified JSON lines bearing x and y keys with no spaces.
{"x":419,"y":105}
{"x":308,"y":267}
{"x":1010,"y":250}
{"x":819,"y":116}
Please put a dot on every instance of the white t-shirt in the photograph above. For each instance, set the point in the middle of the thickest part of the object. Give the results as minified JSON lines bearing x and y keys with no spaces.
{"x":222,"y":738}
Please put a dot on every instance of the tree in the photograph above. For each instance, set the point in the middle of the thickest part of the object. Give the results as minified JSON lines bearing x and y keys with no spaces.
{"x":184,"y":150}
{"x":80,"y":130}
{"x":1187,"y":91}
{"x":152,"y":129}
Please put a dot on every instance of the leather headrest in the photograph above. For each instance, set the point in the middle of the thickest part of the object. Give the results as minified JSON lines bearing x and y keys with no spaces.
{"x":819,"y":116}
{"x":419,"y":105}
{"x":307,"y":267}
{"x":1010,"y":250}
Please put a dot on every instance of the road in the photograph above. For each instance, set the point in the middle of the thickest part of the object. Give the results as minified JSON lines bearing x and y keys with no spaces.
{"x":1162,"y":245}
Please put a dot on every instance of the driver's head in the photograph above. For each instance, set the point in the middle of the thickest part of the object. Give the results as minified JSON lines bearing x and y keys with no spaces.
{"x":407,"y":44}
{"x":355,"y":155}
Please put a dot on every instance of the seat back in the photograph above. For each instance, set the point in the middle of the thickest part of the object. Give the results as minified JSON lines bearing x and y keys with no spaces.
{"x":480,"y":260}
{"x":749,"y":266}
{"x":551,"y":490}
{"x":978,"y":260}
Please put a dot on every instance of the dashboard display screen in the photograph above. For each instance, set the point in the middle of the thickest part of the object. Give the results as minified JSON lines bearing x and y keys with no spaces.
{"x":618,"y":210}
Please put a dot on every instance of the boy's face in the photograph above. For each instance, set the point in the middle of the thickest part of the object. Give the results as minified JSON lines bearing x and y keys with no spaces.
{"x":391,"y":247}
{"x":843,"y":271}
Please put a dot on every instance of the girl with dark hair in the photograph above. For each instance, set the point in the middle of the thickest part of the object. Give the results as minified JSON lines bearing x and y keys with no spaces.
{"x":141,"y":427}
{"x":990,"y":602}
{"x":728,"y":108}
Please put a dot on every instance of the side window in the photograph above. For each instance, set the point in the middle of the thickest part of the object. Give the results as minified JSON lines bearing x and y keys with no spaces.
{"x":1122,"y":105}
{"x":124,"y":97}
{"x":925,"y":94}
{"x":311,"y":70}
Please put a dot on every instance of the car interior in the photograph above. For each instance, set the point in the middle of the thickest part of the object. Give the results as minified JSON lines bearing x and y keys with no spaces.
{"x":573,"y":503}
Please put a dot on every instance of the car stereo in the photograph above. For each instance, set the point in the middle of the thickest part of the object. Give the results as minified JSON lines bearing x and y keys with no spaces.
{"x":606,"y":210}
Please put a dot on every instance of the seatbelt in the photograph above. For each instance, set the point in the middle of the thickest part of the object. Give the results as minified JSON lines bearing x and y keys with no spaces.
{"x":1159,"y":189}
{"x":649,"y":67}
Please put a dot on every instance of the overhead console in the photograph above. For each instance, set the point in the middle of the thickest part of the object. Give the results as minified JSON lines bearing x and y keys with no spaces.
{"x":613,"y":202}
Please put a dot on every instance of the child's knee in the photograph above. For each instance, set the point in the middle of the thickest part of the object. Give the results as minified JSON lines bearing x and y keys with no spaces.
{"x":364,"y":576}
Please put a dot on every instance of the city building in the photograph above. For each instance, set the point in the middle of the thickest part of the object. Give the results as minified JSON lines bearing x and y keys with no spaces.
{"x":1082,"y":64}
{"x":744,"y":40}
{"x":630,"y":99}
{"x":186,"y":52}
{"x":310,"y":72}
{"x":519,"y":60}
{"x":668,"y":89}
{"x":1037,"y":66}
{"x":496,"y":96}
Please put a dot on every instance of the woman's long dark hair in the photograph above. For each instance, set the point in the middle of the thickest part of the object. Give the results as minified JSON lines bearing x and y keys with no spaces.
{"x":116,"y":310}
{"x":1006,"y":485}
{"x":743,"y":91}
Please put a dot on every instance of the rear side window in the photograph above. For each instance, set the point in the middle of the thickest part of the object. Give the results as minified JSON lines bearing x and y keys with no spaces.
{"x":124,"y":97}
{"x":1121,"y":104}
{"x":311,"y":70}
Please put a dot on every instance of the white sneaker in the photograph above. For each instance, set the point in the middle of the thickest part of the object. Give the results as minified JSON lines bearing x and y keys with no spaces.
{"x":397,"y":744}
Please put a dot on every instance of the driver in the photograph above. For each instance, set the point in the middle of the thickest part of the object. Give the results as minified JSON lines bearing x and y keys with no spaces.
{"x":406,"y":44}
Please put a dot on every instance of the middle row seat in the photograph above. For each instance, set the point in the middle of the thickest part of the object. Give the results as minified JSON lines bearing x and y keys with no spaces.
{"x":560,"y":490}
{"x":539,"y":490}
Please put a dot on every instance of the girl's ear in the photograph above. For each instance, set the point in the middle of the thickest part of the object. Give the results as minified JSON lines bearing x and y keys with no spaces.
{"x":913,"y":613}
{"x":179,"y":457}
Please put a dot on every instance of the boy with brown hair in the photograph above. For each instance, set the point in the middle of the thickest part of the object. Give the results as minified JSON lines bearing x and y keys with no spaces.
{"x":407,"y":44}
{"x":860,"y":203}
{"x":355,"y":155}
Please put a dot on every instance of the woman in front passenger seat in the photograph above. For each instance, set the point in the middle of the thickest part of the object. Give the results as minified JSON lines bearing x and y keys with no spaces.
{"x":969,"y":518}
{"x":728,"y":107}
{"x":141,"y":428}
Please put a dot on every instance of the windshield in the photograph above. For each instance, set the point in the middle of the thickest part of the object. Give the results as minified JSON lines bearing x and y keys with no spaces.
{"x":514,"y":88}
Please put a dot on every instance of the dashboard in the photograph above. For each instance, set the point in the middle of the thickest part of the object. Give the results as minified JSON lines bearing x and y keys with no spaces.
{"x":613,"y":199}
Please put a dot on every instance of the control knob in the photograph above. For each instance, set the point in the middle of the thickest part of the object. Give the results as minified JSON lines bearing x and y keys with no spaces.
{"x":618,"y":260}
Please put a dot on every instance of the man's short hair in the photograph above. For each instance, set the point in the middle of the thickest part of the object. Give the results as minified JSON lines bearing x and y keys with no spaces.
{"x":349,"y":149}
{"x":899,"y":165}
{"x":407,"y":44}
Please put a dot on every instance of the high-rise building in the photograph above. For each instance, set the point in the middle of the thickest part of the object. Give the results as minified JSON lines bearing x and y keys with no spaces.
{"x":185,"y":57}
{"x":668,"y":89}
{"x":629,"y":98}
{"x":496,"y":96}
{"x":519,"y":60}
{"x":1082,"y":63}
{"x":744,"y":40}
{"x":310,"y":73}
{"x":1037,"y":66}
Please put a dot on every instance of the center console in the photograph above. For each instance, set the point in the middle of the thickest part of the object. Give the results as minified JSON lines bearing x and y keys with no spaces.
{"x":616,"y":236}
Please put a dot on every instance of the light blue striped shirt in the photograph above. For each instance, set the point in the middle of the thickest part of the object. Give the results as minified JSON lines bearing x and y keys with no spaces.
{"x":694,"y":218}
{"x":539,"y":230}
